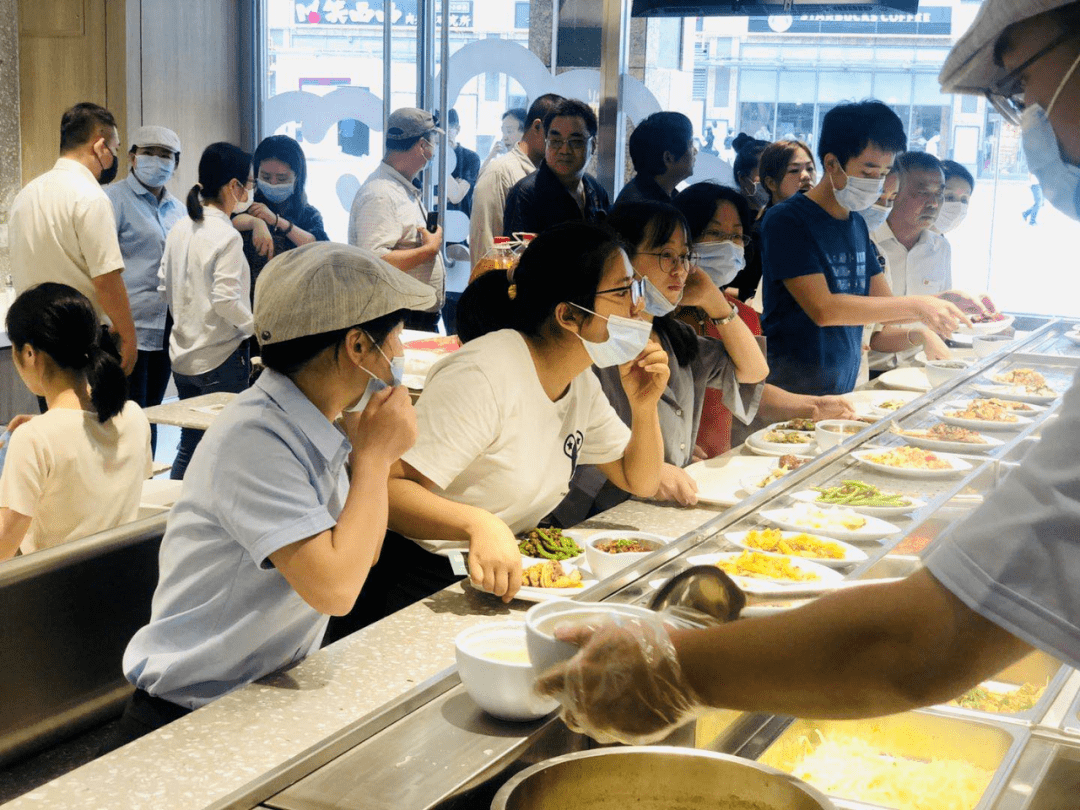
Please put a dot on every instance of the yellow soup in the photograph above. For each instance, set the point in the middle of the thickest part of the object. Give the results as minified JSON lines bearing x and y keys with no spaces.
{"x":511,"y":655}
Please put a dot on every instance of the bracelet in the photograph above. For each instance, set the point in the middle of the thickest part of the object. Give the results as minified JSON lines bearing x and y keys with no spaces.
{"x":727,"y":318}
{"x":287,"y":230}
{"x":277,"y":219}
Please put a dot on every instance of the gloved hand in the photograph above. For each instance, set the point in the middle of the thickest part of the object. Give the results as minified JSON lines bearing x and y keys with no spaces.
{"x":966,"y":302}
{"x":625,"y":685}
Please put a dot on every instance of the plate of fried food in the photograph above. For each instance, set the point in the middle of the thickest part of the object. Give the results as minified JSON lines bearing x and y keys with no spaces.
{"x":912,"y":462}
{"x":539,"y":545}
{"x":1020,"y":384}
{"x":983,"y":414}
{"x":760,"y":573}
{"x":838,"y":522}
{"x":801,"y":545}
{"x":864,"y":498}
{"x":552,"y":579}
{"x":947,"y":438}
{"x":777,"y":441}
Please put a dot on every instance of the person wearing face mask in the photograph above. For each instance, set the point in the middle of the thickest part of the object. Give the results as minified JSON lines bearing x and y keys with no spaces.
{"x":145,"y":212}
{"x":662,"y":150}
{"x":505,"y":420}
{"x":63,"y":229}
{"x":959,"y":186}
{"x":1002,"y":583}
{"x":206,"y":283}
{"x":282,"y":517}
{"x":731,"y":364}
{"x":747,"y":177}
{"x":279,"y":217}
{"x":822,"y":279}
{"x":719,"y":218}
{"x":388,"y":216}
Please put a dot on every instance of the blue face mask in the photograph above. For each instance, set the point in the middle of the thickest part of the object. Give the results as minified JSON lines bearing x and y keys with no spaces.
{"x":153,"y":171}
{"x":626,"y":340}
{"x":875,"y":216}
{"x":276,"y":193}
{"x":1060,"y":180}
{"x":376,"y":384}
{"x":656,"y":303}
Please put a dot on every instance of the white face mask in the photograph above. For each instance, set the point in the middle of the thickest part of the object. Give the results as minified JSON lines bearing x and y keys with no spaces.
{"x":244,"y":203}
{"x":376,"y":383}
{"x":721,"y":261}
{"x":860,"y":192}
{"x":950,"y":215}
{"x":626,"y":340}
{"x":761,"y":194}
{"x":875,"y":216}
{"x":1060,"y":180}
{"x":656,"y":303}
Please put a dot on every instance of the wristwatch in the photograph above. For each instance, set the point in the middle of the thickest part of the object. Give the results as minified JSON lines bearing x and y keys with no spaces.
{"x":727,"y":318}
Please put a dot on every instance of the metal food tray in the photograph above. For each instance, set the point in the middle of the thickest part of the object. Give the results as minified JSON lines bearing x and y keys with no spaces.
{"x":1037,"y":667}
{"x":917,"y":735}
{"x":1071,"y":724}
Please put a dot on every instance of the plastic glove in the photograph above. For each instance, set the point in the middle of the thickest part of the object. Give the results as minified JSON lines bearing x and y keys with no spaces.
{"x":625,"y":685}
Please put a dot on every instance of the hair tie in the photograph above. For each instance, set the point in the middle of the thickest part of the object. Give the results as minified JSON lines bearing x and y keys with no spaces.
{"x":199,"y":186}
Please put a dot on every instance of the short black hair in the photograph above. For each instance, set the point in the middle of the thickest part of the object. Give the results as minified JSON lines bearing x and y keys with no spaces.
{"x":84,"y":123}
{"x":659,"y":133}
{"x":953,"y":169}
{"x":916,"y":162}
{"x":516,"y":112}
{"x":290,"y":356}
{"x":540,"y":108}
{"x":572,"y":108}
{"x":452,"y":119}
{"x":848,"y":129}
{"x":747,"y":153}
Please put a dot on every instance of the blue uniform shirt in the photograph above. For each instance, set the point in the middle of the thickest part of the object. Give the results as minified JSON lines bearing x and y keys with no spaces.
{"x":800,"y":238}
{"x":270,"y":471}
{"x":142,"y":223}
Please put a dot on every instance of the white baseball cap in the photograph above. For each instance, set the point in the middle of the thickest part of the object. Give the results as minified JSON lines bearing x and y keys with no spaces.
{"x":970,"y":67}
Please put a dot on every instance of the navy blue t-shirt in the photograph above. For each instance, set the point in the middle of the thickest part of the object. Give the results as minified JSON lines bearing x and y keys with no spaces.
{"x":800,"y":238}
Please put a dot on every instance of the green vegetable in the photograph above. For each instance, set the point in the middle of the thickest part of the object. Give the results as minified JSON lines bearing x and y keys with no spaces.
{"x":858,"y":493}
{"x":549,"y":544}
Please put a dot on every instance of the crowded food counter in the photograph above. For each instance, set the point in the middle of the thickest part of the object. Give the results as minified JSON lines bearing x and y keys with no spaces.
{"x":381,"y":718}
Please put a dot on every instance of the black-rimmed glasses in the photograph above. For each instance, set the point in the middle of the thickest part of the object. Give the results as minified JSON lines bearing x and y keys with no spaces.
{"x":1007,"y":93}
{"x":636,"y":288}
{"x":670,"y":261}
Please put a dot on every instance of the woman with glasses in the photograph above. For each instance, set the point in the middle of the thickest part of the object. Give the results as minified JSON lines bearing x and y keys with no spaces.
{"x":719,"y":222}
{"x":505,"y":420}
{"x":207,"y":285}
{"x":730,"y":363}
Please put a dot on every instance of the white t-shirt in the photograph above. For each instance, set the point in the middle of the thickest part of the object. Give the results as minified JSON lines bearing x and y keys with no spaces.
{"x":75,"y":476}
{"x":490,"y":437}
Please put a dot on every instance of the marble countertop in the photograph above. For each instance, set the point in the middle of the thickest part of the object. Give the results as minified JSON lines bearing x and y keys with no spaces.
{"x":219,"y":749}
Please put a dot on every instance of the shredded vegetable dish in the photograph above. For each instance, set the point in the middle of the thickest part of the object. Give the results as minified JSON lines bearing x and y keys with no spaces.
{"x":858,"y":493}
{"x":1008,"y":405}
{"x":549,"y":544}
{"x":947,"y":433}
{"x":765,"y":566}
{"x":984,"y":411}
{"x":798,"y":424}
{"x":1028,"y":380}
{"x":799,"y":545}
{"x":909,"y":458}
{"x":786,"y":437}
{"x":853,"y":769}
{"x":983,"y":699}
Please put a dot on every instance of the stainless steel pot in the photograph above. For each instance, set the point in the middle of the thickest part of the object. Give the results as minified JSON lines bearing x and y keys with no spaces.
{"x":655,"y":778}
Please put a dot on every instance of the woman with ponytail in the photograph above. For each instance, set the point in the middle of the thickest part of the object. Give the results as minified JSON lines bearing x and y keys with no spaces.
{"x":207,"y":285}
{"x":78,"y":468}
{"x":504,"y":420}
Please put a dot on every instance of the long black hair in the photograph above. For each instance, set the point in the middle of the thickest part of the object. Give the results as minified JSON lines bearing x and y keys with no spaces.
{"x":648,"y":225}
{"x":288,"y":151}
{"x":564,"y":264}
{"x":220,"y":164}
{"x":59,"y":321}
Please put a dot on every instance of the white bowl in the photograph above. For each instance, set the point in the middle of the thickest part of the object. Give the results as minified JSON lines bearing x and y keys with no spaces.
{"x":540,"y":622}
{"x":986,"y":345}
{"x":603,"y":564}
{"x":827,"y":438}
{"x":939,"y":372}
{"x":500,"y":687}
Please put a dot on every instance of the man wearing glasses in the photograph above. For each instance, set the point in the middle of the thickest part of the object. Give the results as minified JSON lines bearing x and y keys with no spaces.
{"x":559,"y":190}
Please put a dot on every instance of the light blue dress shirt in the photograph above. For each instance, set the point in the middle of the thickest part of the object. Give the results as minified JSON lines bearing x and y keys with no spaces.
{"x":142,"y":223}
{"x":270,"y":471}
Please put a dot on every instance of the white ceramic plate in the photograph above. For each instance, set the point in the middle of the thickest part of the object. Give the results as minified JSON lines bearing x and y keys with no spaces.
{"x":991,"y":328}
{"x":939,"y":446}
{"x":871,"y":406}
{"x":910,"y":378}
{"x":851,"y":554}
{"x":811,"y":496}
{"x":527,"y":594}
{"x":1015,"y":393}
{"x":980,"y":424}
{"x":873,"y":529}
{"x":967,"y":355}
{"x":956,"y":465}
{"x":720,"y":479}
{"x":766,"y":586}
{"x":763,"y":448}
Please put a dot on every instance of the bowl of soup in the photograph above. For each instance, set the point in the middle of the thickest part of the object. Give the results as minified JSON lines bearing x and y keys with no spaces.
{"x":830,"y":432}
{"x":494,"y":666}
{"x":939,"y":372}
{"x":540,"y":622}
{"x":608,"y":552}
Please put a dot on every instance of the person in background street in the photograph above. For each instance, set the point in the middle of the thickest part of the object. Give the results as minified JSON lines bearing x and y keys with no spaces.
{"x":662,"y":151}
{"x":1032,"y":214}
{"x":496,"y":179}
{"x":63,"y":228}
{"x":207,"y":284}
{"x":388,"y":216}
{"x":1000,"y":584}
{"x":559,"y":190}
{"x":145,"y":212}
{"x":514,"y":123}
{"x":279,"y":217}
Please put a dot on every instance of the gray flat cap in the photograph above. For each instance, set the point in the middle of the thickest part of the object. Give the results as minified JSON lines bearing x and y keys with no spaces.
{"x":325,"y":286}
{"x":410,"y":122}
{"x":156,"y":136}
